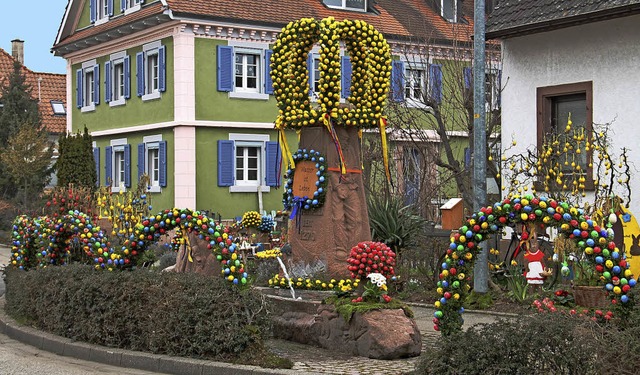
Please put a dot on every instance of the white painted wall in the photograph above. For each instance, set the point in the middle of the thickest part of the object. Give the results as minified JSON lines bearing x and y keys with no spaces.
{"x":606,"y":53}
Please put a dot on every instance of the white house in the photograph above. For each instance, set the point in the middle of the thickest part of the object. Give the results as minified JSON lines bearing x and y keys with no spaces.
{"x":572,"y":56}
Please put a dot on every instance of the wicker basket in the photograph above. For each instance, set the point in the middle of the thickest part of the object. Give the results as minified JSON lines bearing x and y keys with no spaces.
{"x":590,"y":296}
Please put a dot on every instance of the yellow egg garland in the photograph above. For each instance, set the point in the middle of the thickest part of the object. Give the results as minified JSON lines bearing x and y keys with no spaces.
{"x":371,"y":65}
{"x":370,"y":58}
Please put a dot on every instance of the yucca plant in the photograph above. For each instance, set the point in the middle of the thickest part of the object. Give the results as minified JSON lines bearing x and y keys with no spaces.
{"x":393,"y":222}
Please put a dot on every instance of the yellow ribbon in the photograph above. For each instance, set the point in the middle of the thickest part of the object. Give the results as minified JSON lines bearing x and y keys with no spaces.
{"x":385,"y":153}
{"x":185,"y":235}
{"x":284,"y":147}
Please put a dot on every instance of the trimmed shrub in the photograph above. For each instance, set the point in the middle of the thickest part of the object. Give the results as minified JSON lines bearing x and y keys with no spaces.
{"x":166,"y":313}
{"x":536,"y":344}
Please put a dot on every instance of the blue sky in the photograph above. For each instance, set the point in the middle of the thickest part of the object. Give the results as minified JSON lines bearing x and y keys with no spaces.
{"x":35,"y":22}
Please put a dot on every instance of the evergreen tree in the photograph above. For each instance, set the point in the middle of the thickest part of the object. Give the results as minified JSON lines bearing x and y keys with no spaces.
{"x":27,"y":160}
{"x":75,"y":164}
{"x":18,"y":109}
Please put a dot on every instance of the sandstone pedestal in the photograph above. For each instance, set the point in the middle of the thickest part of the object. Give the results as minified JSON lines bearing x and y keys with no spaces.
{"x":203,"y":260}
{"x":328,"y":233}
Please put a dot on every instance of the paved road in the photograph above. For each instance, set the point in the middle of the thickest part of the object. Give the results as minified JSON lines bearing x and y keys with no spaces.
{"x":20,"y":359}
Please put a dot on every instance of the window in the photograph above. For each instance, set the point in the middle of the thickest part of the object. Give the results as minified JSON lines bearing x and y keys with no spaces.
{"x":100,"y":11}
{"x":449,"y":10}
{"x":58,"y":108}
{"x":118,"y":165}
{"x":555,"y":103}
{"x":88,"y":86}
{"x":248,"y":162}
{"x":117,"y":83}
{"x":152,"y":161}
{"x":243,"y":70}
{"x":313,"y":64}
{"x":128,"y":6}
{"x":360,"y":5}
{"x":493,"y":86}
{"x":415,"y":84}
{"x":314,"y":73}
{"x":151,"y":71}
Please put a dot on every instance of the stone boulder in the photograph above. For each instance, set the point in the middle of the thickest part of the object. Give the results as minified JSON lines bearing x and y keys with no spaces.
{"x":379,"y":334}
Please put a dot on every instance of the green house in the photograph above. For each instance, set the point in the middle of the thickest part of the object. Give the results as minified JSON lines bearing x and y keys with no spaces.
{"x":181,"y":90}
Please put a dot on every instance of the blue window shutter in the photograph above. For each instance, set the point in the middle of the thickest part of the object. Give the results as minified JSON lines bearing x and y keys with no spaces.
{"x":268,"y":83}
{"x":274,"y":160}
{"x":108,"y":159}
{"x":140,"y":72}
{"x":96,"y":159}
{"x":225,"y":162}
{"x":435,"y":81}
{"x":162,"y":155}
{"x":141,"y":160}
{"x":346,"y":77}
{"x":127,"y":166}
{"x":499,"y":88}
{"x":79,"y":97}
{"x":127,"y":77}
{"x":310,"y":68}
{"x":92,"y":11}
{"x":468,"y":77}
{"x":123,"y":5}
{"x":397,"y":81}
{"x":467,"y":157}
{"x":96,"y":84}
{"x":162,"y":69}
{"x":225,"y":68}
{"x":110,"y":8}
{"x":107,"y":81}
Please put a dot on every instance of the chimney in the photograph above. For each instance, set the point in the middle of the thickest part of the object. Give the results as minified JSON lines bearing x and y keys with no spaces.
{"x":17,"y":50}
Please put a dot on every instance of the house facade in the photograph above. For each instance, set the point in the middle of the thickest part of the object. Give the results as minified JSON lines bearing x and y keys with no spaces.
{"x":571,"y":56}
{"x":180,"y":89}
{"x":48,"y":88}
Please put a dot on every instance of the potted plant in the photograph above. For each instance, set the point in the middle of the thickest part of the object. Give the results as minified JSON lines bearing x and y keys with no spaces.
{"x":588,"y":289}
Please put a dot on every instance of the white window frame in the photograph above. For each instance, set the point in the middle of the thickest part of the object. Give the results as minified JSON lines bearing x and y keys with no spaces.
{"x":416,"y":64}
{"x":244,"y":63}
{"x":250,"y":140}
{"x":132,"y":6}
{"x":256,"y":49}
{"x":492,"y":88}
{"x":58,"y":108}
{"x":410,"y":82}
{"x":151,"y":49}
{"x":455,"y":10}
{"x":88,"y":96}
{"x":313,"y":94}
{"x":152,"y":143}
{"x":344,"y":6}
{"x":117,"y":147}
{"x":117,"y":59}
{"x":102,"y":13}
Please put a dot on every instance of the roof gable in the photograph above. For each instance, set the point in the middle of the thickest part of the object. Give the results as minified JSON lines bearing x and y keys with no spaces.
{"x":45,"y":87}
{"x":519,"y":17}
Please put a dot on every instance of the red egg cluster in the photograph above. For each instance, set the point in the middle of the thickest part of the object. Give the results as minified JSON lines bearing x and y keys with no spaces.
{"x":368,"y":257}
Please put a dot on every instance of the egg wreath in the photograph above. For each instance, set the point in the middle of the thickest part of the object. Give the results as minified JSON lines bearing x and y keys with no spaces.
{"x":370,"y":58}
{"x":595,"y":242}
{"x":316,"y":199}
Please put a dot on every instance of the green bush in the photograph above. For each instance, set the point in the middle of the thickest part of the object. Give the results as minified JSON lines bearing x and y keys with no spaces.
{"x":166,"y":313}
{"x":551,"y":343}
{"x":393,"y":222}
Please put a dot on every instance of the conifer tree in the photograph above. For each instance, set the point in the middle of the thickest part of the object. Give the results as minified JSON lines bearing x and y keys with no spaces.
{"x":18,"y":109}
{"x":75,"y":164}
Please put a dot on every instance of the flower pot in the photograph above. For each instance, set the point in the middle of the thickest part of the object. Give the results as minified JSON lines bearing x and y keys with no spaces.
{"x":590,"y":296}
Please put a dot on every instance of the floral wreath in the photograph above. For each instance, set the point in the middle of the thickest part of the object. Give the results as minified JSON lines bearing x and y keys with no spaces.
{"x":595,"y":242}
{"x":316,"y":200}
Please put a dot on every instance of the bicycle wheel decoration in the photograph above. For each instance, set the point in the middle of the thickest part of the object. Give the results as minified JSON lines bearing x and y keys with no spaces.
{"x":594,"y":241}
{"x":369,"y":58}
{"x":310,"y":191}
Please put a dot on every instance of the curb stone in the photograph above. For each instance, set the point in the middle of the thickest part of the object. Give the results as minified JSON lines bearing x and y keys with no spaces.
{"x":123,"y":358}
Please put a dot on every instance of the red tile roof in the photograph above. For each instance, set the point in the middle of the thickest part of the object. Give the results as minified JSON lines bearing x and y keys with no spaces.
{"x":396,"y":19}
{"x":52,"y":87}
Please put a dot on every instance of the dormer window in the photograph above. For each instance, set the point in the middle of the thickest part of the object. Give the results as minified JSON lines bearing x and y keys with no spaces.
{"x":58,"y":108}
{"x":100,"y":11}
{"x":448,"y":10}
{"x":357,"y":5}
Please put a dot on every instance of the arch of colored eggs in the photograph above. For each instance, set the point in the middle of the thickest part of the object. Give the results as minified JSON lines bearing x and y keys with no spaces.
{"x":596,"y":243}
{"x":370,"y":58}
{"x":50,"y":240}
{"x":152,"y":228}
